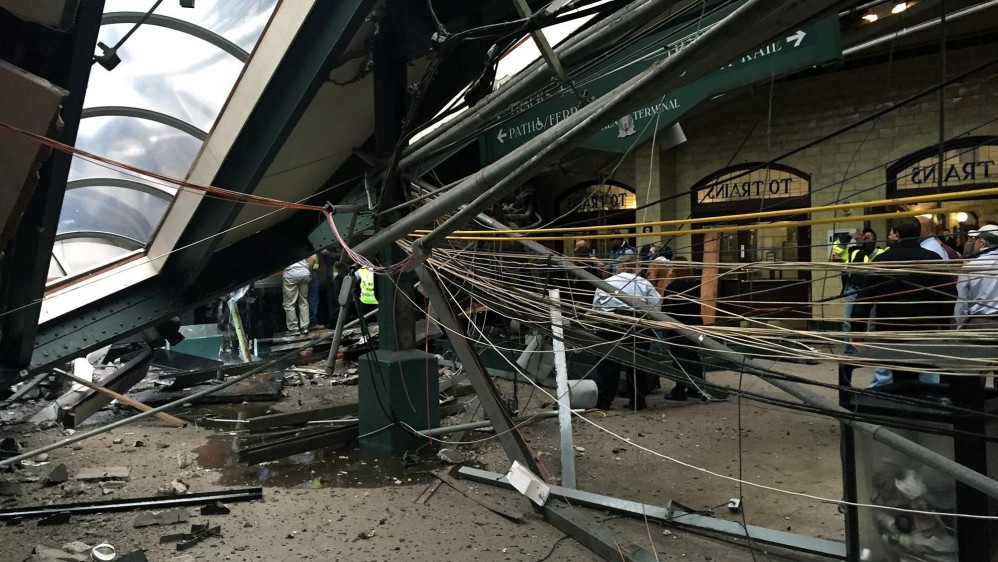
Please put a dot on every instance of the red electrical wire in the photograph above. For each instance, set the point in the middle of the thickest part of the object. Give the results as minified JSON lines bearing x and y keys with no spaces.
{"x":183,"y":184}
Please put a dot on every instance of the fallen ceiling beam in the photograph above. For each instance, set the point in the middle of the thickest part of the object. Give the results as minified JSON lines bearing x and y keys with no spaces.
{"x":306,"y":441}
{"x":590,"y":534}
{"x":878,"y":433}
{"x":676,"y":516}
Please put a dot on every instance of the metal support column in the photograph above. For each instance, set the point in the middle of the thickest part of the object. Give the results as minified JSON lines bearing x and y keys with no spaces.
{"x":564,"y":405}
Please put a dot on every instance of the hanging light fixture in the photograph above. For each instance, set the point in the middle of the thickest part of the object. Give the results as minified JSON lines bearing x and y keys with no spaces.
{"x":962,"y":217}
{"x":899,"y":7}
{"x":871,"y":17}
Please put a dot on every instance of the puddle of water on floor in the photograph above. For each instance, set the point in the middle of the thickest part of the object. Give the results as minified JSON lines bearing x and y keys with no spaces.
{"x":322,"y":468}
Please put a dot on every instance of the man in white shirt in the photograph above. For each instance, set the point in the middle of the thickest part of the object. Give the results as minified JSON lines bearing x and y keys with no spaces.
{"x":977,"y":287}
{"x":642,"y":298}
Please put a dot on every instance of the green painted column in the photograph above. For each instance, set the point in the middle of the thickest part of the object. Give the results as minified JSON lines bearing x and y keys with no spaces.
{"x":396,"y":388}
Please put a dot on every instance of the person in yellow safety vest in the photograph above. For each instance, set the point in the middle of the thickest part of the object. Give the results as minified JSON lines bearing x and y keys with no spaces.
{"x":366,"y":278}
{"x":863,"y":252}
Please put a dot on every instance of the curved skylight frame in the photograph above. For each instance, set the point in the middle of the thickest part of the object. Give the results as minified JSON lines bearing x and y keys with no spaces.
{"x":229,"y":18}
{"x":281,"y":26}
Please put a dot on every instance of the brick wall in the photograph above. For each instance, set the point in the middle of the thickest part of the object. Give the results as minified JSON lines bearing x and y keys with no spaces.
{"x":849,"y":167}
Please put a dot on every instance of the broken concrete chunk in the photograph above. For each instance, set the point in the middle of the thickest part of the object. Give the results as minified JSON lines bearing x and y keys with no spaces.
{"x":145,"y":520}
{"x":215,"y":509}
{"x":58,"y":475}
{"x":168,"y":517}
{"x":107,"y":473}
{"x":450,"y":456}
{"x":77,"y":547}
{"x":8,"y":488}
{"x":117,"y":441}
{"x":134,"y":556}
{"x":44,"y":553}
{"x":176,"y":488}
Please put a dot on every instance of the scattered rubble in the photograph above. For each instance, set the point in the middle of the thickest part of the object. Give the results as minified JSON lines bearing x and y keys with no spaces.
{"x":43,"y":553}
{"x":176,"y":488}
{"x":107,"y":473}
{"x":9,"y":488}
{"x":451,"y":456}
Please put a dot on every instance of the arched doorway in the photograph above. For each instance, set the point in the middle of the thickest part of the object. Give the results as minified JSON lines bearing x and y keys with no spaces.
{"x":742,"y":189}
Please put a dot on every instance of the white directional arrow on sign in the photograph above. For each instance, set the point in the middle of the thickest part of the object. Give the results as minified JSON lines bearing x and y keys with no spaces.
{"x":501,"y":137}
{"x":796,"y":38}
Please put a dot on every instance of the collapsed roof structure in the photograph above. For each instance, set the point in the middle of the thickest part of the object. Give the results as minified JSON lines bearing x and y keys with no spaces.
{"x":311,"y":140}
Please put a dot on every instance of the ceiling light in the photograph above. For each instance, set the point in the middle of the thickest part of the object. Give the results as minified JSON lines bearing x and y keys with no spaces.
{"x":871,"y":17}
{"x":899,"y":7}
{"x":962,"y":217}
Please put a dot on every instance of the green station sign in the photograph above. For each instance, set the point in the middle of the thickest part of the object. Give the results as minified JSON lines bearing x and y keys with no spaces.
{"x":803,"y":48}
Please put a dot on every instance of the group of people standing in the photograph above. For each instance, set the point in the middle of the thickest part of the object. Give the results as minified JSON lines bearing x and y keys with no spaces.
{"x":301,"y":285}
{"x":656,"y":281}
{"x":913,"y":300}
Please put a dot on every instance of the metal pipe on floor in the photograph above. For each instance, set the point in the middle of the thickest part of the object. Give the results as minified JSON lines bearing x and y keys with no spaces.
{"x":488,"y":423}
{"x":115,"y":506}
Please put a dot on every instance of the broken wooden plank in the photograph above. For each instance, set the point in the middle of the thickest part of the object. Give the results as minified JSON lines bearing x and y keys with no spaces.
{"x":120,"y":381}
{"x":172,"y":420}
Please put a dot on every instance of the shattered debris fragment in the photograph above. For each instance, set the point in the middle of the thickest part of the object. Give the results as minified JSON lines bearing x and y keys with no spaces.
{"x":176,"y":488}
{"x":167,"y":517}
{"x":215,"y":509}
{"x":107,"y":473}
{"x":58,"y":475}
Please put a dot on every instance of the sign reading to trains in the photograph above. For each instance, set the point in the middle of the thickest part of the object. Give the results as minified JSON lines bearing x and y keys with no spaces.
{"x":745,"y":183}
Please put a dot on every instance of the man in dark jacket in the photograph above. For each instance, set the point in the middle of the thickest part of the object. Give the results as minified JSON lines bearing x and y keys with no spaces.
{"x":905,"y":301}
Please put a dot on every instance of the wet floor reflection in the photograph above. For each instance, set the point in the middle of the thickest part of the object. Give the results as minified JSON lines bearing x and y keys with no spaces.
{"x":322,"y":468}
